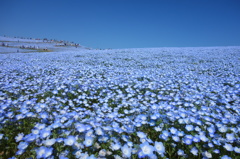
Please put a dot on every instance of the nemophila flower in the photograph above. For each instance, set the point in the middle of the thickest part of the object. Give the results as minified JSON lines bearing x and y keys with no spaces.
{"x":1,"y":136}
{"x":64,"y":157}
{"x":157,"y":128}
{"x":38,"y":109}
{"x":88,"y":141}
{"x":203,"y":138}
{"x":194,"y":151}
{"x":130,"y":144}
{"x":59,"y":140}
{"x":44,"y":152}
{"x":152,"y":123}
{"x":99,"y":131}
{"x":187,"y":141}
{"x":89,"y":133}
{"x":237,"y":149}
{"x":180,"y":152}
{"x":40,"y":126}
{"x":196,"y":138}
{"x":43,"y":115}
{"x":230,"y":137}
{"x":223,"y":129}
{"x":210,"y":144}
{"x":21,"y":151}
{"x":91,"y":157}
{"x":30,"y":137}
{"x":115,"y":146}
{"x":49,"y":142}
{"x":20,"y":116}
{"x":78,"y":153}
{"x":165,"y":134}
{"x":180,"y":133}
{"x":24,"y":110}
{"x":56,"y":125}
{"x":126,"y":151}
{"x":64,"y":153}
{"x":159,"y":147}
{"x":228,"y":147}
{"x":23,"y":145}
{"x":211,"y":130}
{"x":42,"y":105}
{"x":102,"y":153}
{"x":9,"y":114}
{"x":147,"y":149}
{"x":216,"y":151}
{"x":19,"y":137}
{"x":141,"y":135}
{"x":69,"y":141}
{"x":173,"y":130}
{"x":189,"y":127}
{"x":45,"y":133}
{"x":207,"y":154}
{"x":30,"y":114}
{"x":153,"y":117}
{"x":226,"y":157}
{"x":197,"y":128}
{"x":176,"y":138}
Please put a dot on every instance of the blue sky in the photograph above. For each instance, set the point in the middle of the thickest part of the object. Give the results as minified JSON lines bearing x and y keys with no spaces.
{"x":125,"y":23}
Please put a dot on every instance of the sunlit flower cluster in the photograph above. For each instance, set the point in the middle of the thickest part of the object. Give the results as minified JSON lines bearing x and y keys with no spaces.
{"x":132,"y":103}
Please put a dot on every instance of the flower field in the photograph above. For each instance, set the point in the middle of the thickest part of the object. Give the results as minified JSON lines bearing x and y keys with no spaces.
{"x":152,"y":103}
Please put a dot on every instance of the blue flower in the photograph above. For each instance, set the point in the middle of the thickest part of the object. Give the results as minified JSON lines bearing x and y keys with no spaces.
{"x":70,"y":141}
{"x":80,"y":127}
{"x":159,"y":148}
{"x":45,"y":133}
{"x":176,"y":138}
{"x":22,"y":145}
{"x":226,"y":157}
{"x":30,"y":137}
{"x":187,"y":141}
{"x":210,"y":145}
{"x":173,"y":130}
{"x":88,"y":141}
{"x":189,"y":127}
{"x":44,"y":152}
{"x":194,"y":151}
{"x":203,"y":138}
{"x":1,"y":136}
{"x":207,"y":154}
{"x":211,"y":130}
{"x":19,"y":137}
{"x":147,"y":149}
{"x":126,"y":151}
{"x":196,"y":138}
{"x":180,"y":152}
{"x":230,"y":137}
{"x":115,"y":146}
{"x":19,"y":152}
{"x":165,"y":134}
{"x":91,"y":157}
{"x":49,"y":142}
{"x":141,"y":135}
{"x":216,"y":151}
{"x":237,"y":149}
{"x":223,"y":129}
{"x":228,"y":147}
{"x":99,"y":131}
{"x":44,"y":115}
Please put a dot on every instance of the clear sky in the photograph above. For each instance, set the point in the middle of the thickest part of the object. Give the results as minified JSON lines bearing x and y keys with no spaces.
{"x":125,"y":23}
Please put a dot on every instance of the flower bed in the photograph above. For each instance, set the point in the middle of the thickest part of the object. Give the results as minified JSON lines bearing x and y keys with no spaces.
{"x":133,"y":103}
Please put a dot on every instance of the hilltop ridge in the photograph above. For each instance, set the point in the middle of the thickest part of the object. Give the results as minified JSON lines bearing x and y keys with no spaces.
{"x":28,"y":45}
